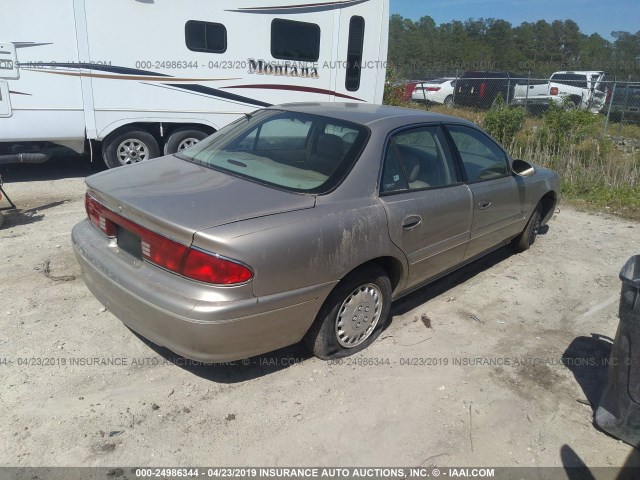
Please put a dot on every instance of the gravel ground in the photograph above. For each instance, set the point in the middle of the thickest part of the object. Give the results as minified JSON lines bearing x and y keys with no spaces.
{"x":499,"y":364}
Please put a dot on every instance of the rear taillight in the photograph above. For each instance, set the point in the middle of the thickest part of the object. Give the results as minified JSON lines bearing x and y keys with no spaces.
{"x":168,"y":254}
{"x":209,"y":268}
{"x":554,"y":91}
{"x":432,"y":89}
{"x":483,"y":88}
{"x":96,"y":213}
{"x":408,"y":89}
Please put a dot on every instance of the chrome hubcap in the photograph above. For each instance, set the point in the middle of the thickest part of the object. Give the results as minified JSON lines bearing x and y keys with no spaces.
{"x":187,"y":142}
{"x":358,"y":315}
{"x":132,"y":151}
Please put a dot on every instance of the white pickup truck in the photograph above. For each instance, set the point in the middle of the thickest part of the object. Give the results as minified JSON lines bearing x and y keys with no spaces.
{"x":587,"y":90}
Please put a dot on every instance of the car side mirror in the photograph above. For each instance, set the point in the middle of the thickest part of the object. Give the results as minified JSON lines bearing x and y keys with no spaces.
{"x":522,"y":168}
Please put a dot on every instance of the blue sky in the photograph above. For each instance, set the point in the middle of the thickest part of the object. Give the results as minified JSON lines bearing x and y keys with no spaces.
{"x":593,"y":16}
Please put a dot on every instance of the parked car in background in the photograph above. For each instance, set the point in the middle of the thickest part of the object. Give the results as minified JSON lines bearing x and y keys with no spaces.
{"x":587,"y":90}
{"x":438,"y":90}
{"x":481,"y":89}
{"x":290,"y":225}
{"x":625,"y":102}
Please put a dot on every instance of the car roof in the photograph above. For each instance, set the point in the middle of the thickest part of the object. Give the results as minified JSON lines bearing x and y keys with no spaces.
{"x":368,"y":114}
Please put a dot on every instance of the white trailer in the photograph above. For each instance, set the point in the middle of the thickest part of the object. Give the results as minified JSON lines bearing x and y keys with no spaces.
{"x":147,"y":76}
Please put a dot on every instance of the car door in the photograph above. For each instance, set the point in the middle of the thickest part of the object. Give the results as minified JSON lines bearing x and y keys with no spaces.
{"x":429,"y":209}
{"x":498,"y":196}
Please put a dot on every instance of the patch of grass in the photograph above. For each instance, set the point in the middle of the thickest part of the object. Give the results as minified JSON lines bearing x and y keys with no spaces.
{"x":623,"y":201}
{"x":624,"y":130}
{"x":503,"y":122}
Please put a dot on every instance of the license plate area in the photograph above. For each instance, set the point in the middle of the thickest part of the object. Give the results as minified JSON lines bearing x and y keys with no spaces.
{"x":129,"y":242}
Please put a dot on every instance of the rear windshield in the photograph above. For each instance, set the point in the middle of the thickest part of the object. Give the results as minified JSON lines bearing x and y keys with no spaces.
{"x":571,"y":79}
{"x":292,"y":151}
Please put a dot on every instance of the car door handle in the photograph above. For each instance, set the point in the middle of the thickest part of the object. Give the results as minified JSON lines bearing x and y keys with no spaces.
{"x":411,"y":222}
{"x":484,"y":204}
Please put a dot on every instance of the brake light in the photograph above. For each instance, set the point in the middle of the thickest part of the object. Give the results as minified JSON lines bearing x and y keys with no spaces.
{"x":96,"y":214}
{"x":609,"y":92}
{"x":483,"y":87}
{"x":554,"y":91}
{"x":432,"y":89}
{"x":169,"y":254}
{"x":408,"y":89}
{"x":160,"y":250}
{"x":213,"y":269}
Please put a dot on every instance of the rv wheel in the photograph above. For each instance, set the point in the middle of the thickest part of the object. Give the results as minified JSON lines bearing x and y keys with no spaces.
{"x":183,"y":138}
{"x":130,"y":146}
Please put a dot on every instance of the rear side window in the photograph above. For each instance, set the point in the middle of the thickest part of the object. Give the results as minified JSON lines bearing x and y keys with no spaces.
{"x":205,"y":37}
{"x":417,"y":159}
{"x":570,"y":79}
{"x":297,"y":41}
{"x":354,"y":53}
{"x":483,"y":159}
{"x":287,"y":150}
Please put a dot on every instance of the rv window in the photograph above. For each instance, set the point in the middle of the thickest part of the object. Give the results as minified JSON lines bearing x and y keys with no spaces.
{"x":354,"y":53}
{"x":205,"y":37}
{"x":297,"y":41}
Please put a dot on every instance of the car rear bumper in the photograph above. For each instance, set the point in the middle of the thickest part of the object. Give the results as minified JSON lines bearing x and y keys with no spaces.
{"x":198,"y":321}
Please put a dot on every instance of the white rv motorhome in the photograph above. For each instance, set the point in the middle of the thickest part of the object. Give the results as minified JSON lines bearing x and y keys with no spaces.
{"x":147,"y":76}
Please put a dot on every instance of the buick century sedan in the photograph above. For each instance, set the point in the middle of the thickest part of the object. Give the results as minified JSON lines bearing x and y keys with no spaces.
{"x":301,"y":222}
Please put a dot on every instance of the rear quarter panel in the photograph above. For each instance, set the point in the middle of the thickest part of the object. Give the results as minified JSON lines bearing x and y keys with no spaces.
{"x":299,"y":249}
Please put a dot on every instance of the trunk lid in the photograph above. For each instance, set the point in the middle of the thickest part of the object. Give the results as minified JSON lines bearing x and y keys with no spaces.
{"x":177,"y":198}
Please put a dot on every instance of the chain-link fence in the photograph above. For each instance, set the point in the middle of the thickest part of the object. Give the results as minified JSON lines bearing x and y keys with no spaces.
{"x":596,"y":92}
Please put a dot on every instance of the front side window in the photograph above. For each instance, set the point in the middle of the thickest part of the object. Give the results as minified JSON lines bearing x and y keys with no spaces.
{"x":205,"y":37}
{"x":293,"y":151}
{"x":417,"y":159}
{"x":296,"y":41}
{"x":482,"y":158}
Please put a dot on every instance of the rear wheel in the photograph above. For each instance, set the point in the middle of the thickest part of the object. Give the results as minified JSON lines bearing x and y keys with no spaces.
{"x":130,"y":146}
{"x":572,"y":104}
{"x":353,"y":315}
{"x":183,"y":138}
{"x":528,"y":237}
{"x":448,"y":102}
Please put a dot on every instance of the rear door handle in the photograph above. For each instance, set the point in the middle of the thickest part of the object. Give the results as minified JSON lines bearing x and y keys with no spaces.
{"x":411,"y":222}
{"x":484,"y":204}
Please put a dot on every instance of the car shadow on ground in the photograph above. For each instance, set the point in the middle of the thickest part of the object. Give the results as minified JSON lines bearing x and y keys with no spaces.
{"x":237,"y":371}
{"x":63,"y":164}
{"x":439,"y":287}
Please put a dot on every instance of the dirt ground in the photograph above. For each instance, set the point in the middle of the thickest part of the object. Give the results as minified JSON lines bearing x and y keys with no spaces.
{"x":497,"y":365}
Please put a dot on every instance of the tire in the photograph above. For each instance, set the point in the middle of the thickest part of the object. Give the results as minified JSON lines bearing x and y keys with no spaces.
{"x":1,"y":219}
{"x":573,"y":104}
{"x":128,"y":147}
{"x":183,"y":138}
{"x":448,"y":102}
{"x":332,"y":335}
{"x":528,"y":236}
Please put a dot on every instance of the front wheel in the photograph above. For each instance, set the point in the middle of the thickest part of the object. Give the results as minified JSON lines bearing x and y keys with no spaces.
{"x":528,"y":237}
{"x":353,"y":315}
{"x":130,"y":146}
